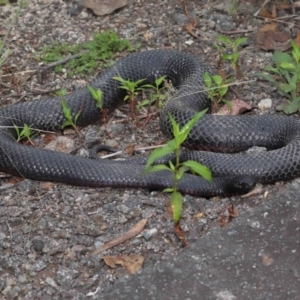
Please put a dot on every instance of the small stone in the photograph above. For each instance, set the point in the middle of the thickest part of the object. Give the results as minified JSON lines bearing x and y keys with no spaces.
{"x":38,"y":245}
{"x":265,"y":104}
{"x":51,"y":282}
{"x":189,"y":42}
{"x":149,"y":233}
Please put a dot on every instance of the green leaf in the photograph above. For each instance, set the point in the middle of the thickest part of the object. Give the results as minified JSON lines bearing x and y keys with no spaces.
{"x":66,"y":110}
{"x":172,"y":144}
{"x":172,"y":167}
{"x":77,"y":116}
{"x":286,"y":88}
{"x":223,"y":90}
{"x":96,"y":93}
{"x":198,"y":169}
{"x":158,"y":153}
{"x":240,"y":41}
{"x":291,"y":108}
{"x":207,"y":79}
{"x":226,"y":56}
{"x":168,"y":190}
{"x":295,"y":51}
{"x":26,"y":131}
{"x":184,"y":132}
{"x":175,"y":127}
{"x":217,"y":79}
{"x":281,"y":57}
{"x":267,"y":77}
{"x":155,"y":168}
{"x":271,"y":69}
{"x":176,"y":202}
{"x":160,"y":80}
{"x":225,"y":40}
{"x":67,"y":123}
{"x":235,"y":57}
{"x":287,"y":66}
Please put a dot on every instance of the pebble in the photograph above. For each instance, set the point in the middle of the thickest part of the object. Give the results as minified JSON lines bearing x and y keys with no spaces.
{"x":147,"y":235}
{"x":265,"y":104}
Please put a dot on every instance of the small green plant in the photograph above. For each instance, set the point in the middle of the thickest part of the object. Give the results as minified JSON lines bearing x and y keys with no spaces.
{"x":287,"y":71}
{"x":68,"y":116}
{"x":97,"y":95}
{"x":61,"y":92}
{"x":217,"y":88}
{"x":229,"y":49}
{"x":132,"y":88}
{"x":178,"y":169}
{"x":25,"y":133}
{"x":157,"y":97}
{"x":95,"y":53}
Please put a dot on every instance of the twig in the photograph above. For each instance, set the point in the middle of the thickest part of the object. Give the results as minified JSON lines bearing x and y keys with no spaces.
{"x":237,"y":31}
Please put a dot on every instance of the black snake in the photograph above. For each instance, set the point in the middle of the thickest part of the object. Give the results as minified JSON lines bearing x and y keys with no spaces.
{"x":233,"y":173}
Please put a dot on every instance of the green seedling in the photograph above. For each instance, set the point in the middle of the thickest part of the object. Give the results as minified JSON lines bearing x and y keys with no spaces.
{"x":69,"y":121}
{"x":179,"y":168}
{"x":286,"y":78}
{"x":217,"y":88}
{"x":61,"y":92}
{"x":86,"y":57}
{"x":132,"y":88}
{"x":229,"y":49}
{"x":157,"y":97}
{"x":97,"y":95}
{"x":25,"y":133}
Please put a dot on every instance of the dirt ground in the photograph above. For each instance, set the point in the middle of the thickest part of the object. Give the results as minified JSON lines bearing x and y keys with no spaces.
{"x":48,"y":231}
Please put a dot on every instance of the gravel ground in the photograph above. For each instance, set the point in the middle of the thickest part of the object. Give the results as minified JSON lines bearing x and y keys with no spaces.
{"x":47,"y":230}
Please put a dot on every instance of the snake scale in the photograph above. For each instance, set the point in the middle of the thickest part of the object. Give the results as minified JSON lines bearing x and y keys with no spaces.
{"x":233,"y":173}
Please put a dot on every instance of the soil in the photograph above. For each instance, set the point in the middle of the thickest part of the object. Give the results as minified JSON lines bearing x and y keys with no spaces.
{"x":47,"y":230}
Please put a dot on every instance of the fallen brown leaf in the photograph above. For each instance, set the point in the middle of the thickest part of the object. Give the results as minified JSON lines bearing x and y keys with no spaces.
{"x":191,"y":26}
{"x":132,"y":232}
{"x":129,"y":149}
{"x":237,"y":107}
{"x":269,"y":38}
{"x":131,"y":263}
{"x":180,"y":234}
{"x":265,"y":14}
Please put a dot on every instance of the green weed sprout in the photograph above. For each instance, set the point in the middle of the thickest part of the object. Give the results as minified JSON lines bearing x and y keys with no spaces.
{"x":287,"y":68}
{"x":157,"y":96}
{"x":217,"y":88}
{"x":179,"y":168}
{"x":231,"y":46}
{"x":132,"y":88}
{"x":68,"y":116}
{"x":25,"y":133}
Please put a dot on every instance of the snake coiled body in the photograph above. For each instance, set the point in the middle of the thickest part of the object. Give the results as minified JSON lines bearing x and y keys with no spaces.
{"x":280,"y":134}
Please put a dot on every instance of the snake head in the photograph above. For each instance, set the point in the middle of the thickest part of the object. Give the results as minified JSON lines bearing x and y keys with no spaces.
{"x":239,"y":185}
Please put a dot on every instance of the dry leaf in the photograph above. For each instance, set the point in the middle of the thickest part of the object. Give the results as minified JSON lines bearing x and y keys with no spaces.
{"x":237,"y":107}
{"x":269,"y":38}
{"x":180,"y":234}
{"x":104,"y":7}
{"x":132,"y":232}
{"x":265,"y":14}
{"x":129,"y":149}
{"x":269,"y":27}
{"x":190,"y":27}
{"x":131,"y":263}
